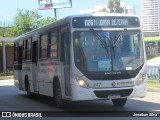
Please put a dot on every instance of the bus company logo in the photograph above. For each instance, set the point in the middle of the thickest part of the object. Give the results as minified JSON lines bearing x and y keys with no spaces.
{"x":6,"y":114}
{"x":115,"y":73}
{"x":113,"y":84}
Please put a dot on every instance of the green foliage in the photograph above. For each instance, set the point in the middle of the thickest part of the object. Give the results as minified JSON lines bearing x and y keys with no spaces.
{"x":6,"y":32}
{"x":7,"y":73}
{"x":6,"y":76}
{"x":151,"y":39}
{"x":114,"y":6}
{"x":27,"y":20}
{"x":8,"y":44}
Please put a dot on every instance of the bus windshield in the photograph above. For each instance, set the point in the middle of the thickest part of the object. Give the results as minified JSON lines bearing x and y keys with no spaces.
{"x":100,"y":51}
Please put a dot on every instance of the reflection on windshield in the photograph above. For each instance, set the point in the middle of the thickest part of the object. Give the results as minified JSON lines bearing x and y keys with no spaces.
{"x":91,"y":55}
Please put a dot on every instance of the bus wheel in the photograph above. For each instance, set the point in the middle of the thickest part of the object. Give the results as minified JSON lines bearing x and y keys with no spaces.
{"x":29,"y":94}
{"x":58,"y":96}
{"x":119,"y":102}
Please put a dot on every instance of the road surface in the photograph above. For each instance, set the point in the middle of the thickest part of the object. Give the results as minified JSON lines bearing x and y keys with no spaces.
{"x":13,"y":99}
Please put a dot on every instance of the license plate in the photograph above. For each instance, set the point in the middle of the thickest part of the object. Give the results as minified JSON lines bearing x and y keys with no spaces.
{"x":114,"y":96}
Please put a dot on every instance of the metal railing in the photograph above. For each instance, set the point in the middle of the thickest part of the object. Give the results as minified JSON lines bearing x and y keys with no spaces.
{"x":153,"y":83}
{"x":153,"y":73}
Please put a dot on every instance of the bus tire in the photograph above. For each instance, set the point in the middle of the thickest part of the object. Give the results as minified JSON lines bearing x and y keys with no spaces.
{"x":59,"y":102}
{"x":29,"y":93}
{"x":119,"y":102}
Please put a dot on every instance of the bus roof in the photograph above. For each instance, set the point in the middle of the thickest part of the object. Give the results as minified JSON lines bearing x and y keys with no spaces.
{"x":65,"y":21}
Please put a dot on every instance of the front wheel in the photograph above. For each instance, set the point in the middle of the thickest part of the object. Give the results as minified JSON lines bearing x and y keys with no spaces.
{"x":29,"y":93}
{"x":119,"y":102}
{"x":59,"y":102}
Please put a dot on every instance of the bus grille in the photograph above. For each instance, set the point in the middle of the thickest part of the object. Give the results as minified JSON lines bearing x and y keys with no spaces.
{"x":106,"y":93}
{"x":111,"y":76}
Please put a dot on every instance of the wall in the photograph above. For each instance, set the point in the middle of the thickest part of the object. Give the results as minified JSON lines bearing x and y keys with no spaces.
{"x":9,"y":58}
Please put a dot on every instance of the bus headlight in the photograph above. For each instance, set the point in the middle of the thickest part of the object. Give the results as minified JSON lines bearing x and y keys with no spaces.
{"x":81,"y":82}
{"x":141,"y":79}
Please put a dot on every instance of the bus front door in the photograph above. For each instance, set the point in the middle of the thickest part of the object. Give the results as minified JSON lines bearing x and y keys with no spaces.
{"x":34,"y":65}
{"x":65,"y":58}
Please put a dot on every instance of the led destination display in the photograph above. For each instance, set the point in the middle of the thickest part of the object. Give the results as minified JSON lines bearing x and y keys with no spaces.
{"x":98,"y":22}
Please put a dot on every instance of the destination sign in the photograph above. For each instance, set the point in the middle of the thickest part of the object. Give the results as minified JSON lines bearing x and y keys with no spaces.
{"x":105,"y":22}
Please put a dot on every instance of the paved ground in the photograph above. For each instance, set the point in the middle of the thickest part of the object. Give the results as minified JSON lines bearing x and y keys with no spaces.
{"x":9,"y":82}
{"x":12,"y":99}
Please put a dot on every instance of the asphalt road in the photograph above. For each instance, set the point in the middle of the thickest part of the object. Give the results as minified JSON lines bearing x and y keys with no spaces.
{"x":12,"y":99}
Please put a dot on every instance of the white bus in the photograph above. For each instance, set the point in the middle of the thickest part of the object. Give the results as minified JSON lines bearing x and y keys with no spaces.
{"x":83,"y":57}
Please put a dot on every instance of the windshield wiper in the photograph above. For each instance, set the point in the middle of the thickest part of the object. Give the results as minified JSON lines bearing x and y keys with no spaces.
{"x":102,"y":41}
{"x":111,"y":44}
{"x":118,"y":38}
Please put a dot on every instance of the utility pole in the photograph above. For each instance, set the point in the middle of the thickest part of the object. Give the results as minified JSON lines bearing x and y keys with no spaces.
{"x":55,"y":13}
{"x":4,"y":51}
{"x":4,"y":56}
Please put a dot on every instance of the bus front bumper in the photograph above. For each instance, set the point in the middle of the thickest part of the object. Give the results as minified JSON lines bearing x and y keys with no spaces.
{"x":82,"y":94}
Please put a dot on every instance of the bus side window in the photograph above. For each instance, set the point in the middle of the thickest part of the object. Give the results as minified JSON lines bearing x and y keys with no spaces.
{"x":18,"y":53}
{"x":64,"y":56}
{"x":15,"y":52}
{"x":43,"y":46}
{"x":53,"y":45}
{"x":27,"y":49}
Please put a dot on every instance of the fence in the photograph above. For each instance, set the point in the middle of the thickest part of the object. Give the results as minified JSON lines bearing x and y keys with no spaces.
{"x":153,"y":79}
{"x":153,"y":73}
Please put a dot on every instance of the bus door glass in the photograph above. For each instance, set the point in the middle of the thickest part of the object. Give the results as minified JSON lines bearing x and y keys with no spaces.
{"x":19,"y":66}
{"x":34,"y":64}
{"x":65,"y":58}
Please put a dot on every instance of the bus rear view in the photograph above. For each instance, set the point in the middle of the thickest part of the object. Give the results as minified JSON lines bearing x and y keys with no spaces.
{"x":109,"y":59}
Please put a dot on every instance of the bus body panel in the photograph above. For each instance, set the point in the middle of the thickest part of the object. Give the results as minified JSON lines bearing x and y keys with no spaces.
{"x":27,"y":74}
{"x":80,"y":93}
{"x":18,"y":79}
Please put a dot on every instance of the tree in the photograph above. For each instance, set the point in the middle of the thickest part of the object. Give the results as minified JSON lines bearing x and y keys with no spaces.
{"x":111,"y":5}
{"x":115,"y":7}
{"x":27,"y":20}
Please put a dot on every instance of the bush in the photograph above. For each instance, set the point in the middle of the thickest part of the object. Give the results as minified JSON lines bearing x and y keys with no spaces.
{"x":10,"y":73}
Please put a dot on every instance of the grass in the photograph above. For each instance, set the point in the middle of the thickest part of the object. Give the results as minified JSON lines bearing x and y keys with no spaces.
{"x":7,"y":75}
{"x":153,"y":85}
{"x":153,"y":82}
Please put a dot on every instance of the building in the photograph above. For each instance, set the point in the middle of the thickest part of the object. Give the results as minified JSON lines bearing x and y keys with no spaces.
{"x":6,"y":51}
{"x":9,"y":58}
{"x":97,"y":8}
{"x":150,"y":17}
{"x":6,"y":54}
{"x":104,"y":8}
{"x":130,"y":10}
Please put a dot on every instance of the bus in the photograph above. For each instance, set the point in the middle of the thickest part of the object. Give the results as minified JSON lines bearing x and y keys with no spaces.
{"x":83,"y":58}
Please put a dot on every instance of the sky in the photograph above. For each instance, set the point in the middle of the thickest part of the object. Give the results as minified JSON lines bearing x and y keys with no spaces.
{"x":8,"y":8}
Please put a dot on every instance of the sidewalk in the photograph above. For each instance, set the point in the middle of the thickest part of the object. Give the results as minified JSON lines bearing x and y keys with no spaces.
{"x":153,"y":89}
{"x":9,"y":82}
